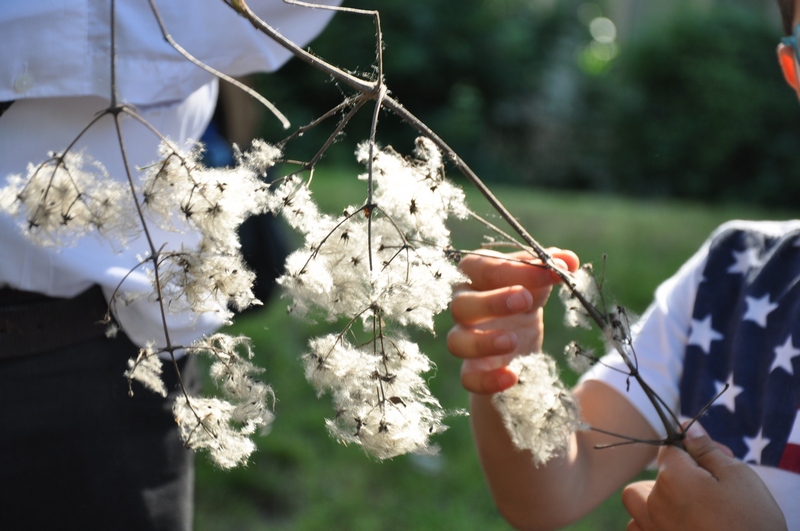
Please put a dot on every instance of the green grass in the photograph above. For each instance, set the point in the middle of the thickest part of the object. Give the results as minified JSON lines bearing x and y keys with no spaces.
{"x":300,"y":479}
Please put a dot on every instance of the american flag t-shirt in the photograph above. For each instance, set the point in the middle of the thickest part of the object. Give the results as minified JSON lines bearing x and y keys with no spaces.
{"x":791,"y":454}
{"x":745,"y":332}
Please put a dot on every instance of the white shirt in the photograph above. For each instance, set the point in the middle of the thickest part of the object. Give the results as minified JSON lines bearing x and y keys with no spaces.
{"x":56,"y":65}
{"x":62,"y":47}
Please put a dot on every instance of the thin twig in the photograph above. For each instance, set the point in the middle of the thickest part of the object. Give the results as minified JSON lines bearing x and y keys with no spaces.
{"x":377,"y":90}
{"x":213,"y":71}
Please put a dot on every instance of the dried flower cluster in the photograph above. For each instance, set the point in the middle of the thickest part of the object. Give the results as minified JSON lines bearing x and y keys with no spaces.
{"x":379,"y":267}
{"x":539,"y":412}
{"x":224,"y":426}
{"x":70,"y":196}
{"x":211,"y":277}
{"x":576,"y":314}
{"x":66,"y":197}
{"x":146,"y":369}
{"x":383,"y":264}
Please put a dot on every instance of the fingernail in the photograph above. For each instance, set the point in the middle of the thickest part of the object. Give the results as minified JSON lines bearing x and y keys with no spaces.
{"x":695,"y":431}
{"x":519,"y":301}
{"x":505,"y":342}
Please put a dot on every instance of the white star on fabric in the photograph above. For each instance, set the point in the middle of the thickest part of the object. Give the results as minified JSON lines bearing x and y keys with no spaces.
{"x":702,"y":334}
{"x":755,"y":446}
{"x":758,"y":309}
{"x":728,"y":398}
{"x":784,"y":355}
{"x":745,"y":260}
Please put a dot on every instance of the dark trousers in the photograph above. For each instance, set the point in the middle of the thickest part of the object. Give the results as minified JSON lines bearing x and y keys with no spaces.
{"x":76,"y":452}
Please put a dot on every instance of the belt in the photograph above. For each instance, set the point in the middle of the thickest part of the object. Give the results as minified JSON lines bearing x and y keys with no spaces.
{"x":31,"y":323}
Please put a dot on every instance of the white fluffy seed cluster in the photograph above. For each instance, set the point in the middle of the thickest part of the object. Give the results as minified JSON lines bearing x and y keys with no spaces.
{"x":578,"y":358}
{"x":539,"y":412}
{"x":67,"y":196}
{"x":146,"y":369}
{"x":381,"y":400}
{"x":585,"y":283}
{"x":223,"y":426}
{"x":382,"y":263}
{"x":211,"y":277}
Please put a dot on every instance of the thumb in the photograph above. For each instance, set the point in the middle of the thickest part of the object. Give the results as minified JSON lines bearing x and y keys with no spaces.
{"x":706,"y":453}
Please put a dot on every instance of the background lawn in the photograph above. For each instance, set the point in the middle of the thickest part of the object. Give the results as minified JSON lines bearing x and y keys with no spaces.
{"x":301,"y":479}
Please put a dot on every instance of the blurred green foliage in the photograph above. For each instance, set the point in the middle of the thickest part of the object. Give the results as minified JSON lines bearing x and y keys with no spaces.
{"x":693,"y":106}
{"x":696,"y":107}
{"x":466,"y":70}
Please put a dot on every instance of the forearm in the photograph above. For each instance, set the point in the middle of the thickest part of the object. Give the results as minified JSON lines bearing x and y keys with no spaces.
{"x":547,"y":497}
{"x":568,"y":487}
{"x":499,"y":314}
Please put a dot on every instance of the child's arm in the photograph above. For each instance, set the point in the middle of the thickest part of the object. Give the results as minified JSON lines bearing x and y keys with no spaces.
{"x":505,"y":302}
{"x":568,"y":488}
{"x":693,"y":489}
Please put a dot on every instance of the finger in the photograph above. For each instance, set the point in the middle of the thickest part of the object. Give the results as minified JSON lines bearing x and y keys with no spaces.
{"x":705,"y":452}
{"x":487,"y":382}
{"x":634,"y":498}
{"x":724,"y":449}
{"x":489,"y":270}
{"x":570,"y":259}
{"x":469,"y":343}
{"x":470,"y":307}
{"x":702,"y":454}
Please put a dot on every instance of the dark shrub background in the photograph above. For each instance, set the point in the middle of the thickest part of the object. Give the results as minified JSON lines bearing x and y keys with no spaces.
{"x":693,"y":106}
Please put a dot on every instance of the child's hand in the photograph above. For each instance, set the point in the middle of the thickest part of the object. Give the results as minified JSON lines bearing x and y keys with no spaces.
{"x":499,"y":315}
{"x":701,"y":488}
